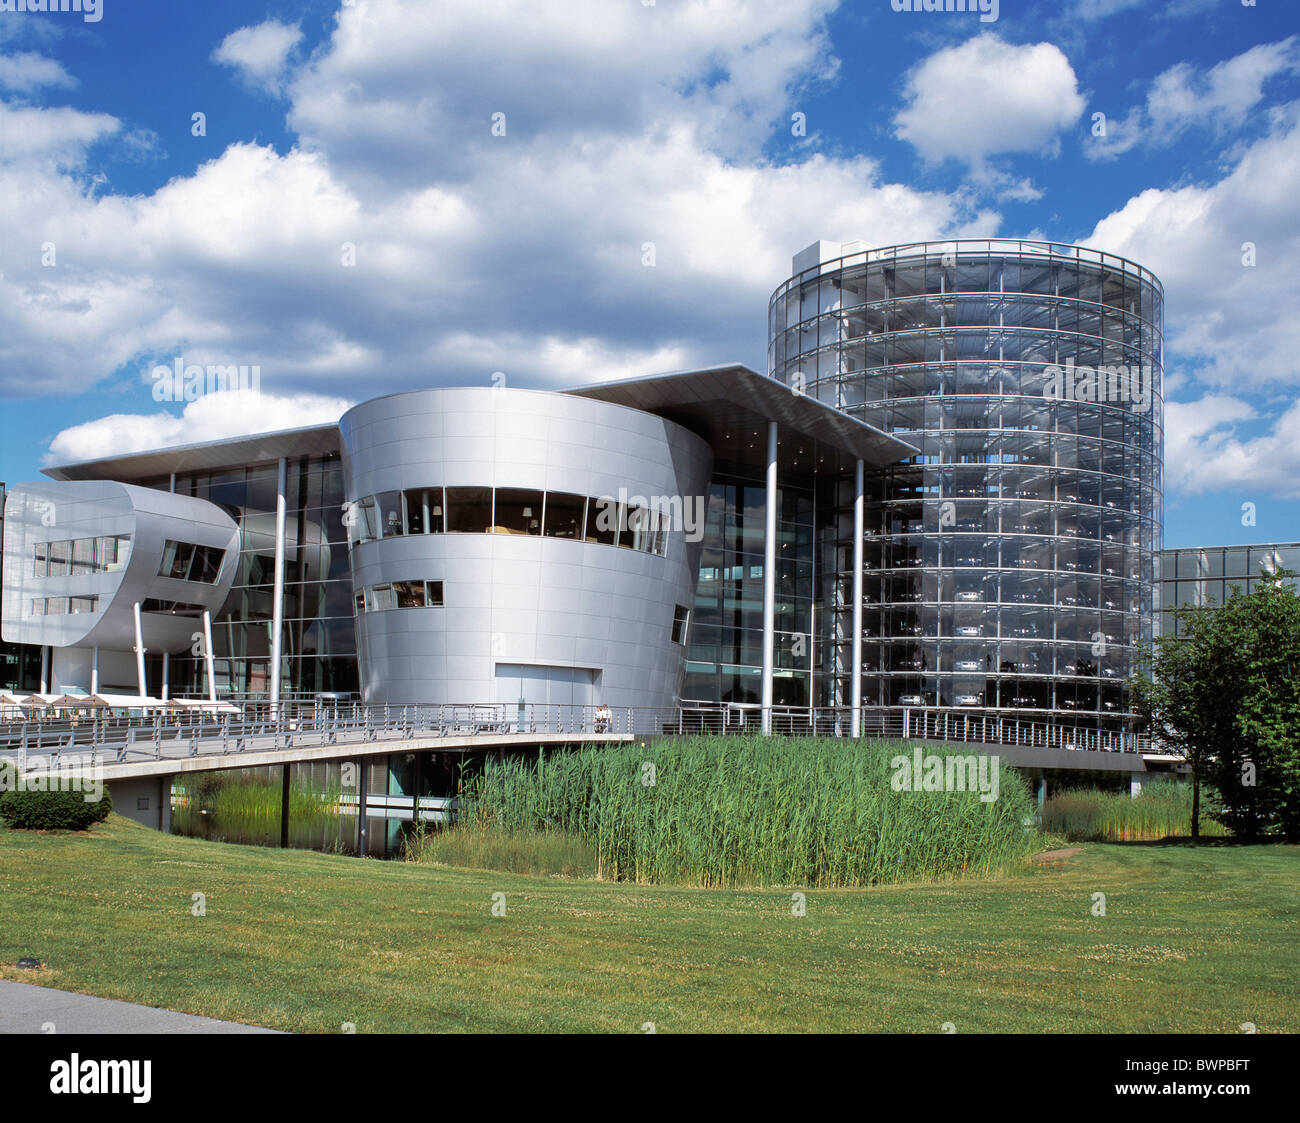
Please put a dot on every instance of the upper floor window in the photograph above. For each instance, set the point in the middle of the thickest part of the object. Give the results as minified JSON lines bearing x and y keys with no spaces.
{"x":188,"y":561}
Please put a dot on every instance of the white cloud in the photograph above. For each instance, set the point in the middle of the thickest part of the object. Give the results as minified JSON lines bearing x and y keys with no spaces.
{"x":1185,"y":97}
{"x":260,"y":53}
{"x":209,"y":418}
{"x":55,"y":138}
{"x":1206,"y":453}
{"x":1239,"y":325}
{"x":28,"y":71}
{"x":986,"y":98}
{"x":521,"y":253}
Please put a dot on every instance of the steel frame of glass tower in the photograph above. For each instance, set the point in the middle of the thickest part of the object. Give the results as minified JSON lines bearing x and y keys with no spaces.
{"x":1010,"y":566}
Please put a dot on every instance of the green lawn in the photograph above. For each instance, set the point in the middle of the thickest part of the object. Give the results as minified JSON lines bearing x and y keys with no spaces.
{"x":1193,"y":941}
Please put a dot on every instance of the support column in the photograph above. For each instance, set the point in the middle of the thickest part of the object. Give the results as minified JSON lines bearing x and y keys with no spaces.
{"x":45,"y":668}
{"x":284,"y":809}
{"x":94,"y":671}
{"x":1042,"y":790}
{"x":855,"y":692}
{"x":1135,"y":784}
{"x":277,"y":606}
{"x":361,"y":804}
{"x":208,"y":657}
{"x":166,"y":675}
{"x":769,"y":579}
{"x":139,"y":655}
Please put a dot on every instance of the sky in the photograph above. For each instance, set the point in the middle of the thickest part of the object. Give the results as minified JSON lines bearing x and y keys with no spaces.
{"x":356,"y":197}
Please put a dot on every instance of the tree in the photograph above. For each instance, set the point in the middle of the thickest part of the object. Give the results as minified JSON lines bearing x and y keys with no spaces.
{"x":1223,"y":692}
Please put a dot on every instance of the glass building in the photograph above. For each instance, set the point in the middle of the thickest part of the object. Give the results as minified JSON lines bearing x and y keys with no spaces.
{"x":1011,"y":564}
{"x":1204,"y":576}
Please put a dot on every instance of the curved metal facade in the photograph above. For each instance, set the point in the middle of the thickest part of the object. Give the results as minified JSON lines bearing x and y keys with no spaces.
{"x":100,"y":591}
{"x":1011,"y":564}
{"x":523,"y":613}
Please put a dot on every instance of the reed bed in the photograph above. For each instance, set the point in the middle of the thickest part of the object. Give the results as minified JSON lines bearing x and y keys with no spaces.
{"x":732,"y":811}
{"x":1162,"y":810}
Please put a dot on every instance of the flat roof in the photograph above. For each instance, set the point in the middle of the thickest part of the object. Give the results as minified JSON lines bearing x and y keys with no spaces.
{"x":731,"y":405}
{"x":313,"y":440}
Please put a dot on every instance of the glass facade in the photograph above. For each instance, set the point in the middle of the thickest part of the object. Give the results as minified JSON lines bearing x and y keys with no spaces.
{"x":318,"y":642}
{"x":1011,"y":564}
{"x":724,"y":657}
{"x":1206,"y":576}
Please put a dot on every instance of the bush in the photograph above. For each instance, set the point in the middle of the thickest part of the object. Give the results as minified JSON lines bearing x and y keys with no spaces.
{"x":52,"y":811}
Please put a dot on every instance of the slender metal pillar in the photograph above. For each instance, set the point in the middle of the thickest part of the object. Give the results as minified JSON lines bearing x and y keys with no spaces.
{"x":361,"y":805}
{"x":94,"y":671}
{"x":855,"y":692}
{"x":277,"y":606}
{"x":208,"y":657}
{"x":284,"y":809}
{"x":45,"y":668}
{"x":139,"y":654}
{"x":769,"y":579}
{"x":167,"y":675}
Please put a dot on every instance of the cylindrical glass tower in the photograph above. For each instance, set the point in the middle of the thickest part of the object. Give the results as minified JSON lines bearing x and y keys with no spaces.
{"x":1009,"y":566}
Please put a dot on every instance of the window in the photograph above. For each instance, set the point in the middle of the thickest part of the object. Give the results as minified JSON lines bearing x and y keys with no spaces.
{"x":409,"y":594}
{"x":60,"y":555}
{"x":83,"y":556}
{"x":424,"y":510}
{"x":681,"y":617}
{"x":518,"y":511}
{"x":83,"y":604}
{"x":40,"y":559}
{"x":392,"y":519}
{"x":603,"y":521}
{"x":186,"y":561}
{"x":469,"y":510}
{"x":564,"y":515}
{"x":399,"y":594}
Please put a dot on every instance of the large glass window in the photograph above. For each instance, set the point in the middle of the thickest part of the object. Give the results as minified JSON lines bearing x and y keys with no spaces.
{"x":424,"y":510}
{"x":564,"y":514}
{"x":469,"y":510}
{"x":518,"y":511}
{"x":604,"y":519}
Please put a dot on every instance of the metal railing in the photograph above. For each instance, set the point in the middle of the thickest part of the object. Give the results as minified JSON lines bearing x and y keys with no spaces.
{"x":297,"y":725}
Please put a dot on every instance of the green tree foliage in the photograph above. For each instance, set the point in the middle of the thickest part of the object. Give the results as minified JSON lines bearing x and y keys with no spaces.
{"x":1224,"y":693}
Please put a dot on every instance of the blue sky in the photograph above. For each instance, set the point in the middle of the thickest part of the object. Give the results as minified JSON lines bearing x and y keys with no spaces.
{"x":127,"y":241}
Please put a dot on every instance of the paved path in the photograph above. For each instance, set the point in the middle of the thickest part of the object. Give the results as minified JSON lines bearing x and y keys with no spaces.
{"x":27,"y":1009}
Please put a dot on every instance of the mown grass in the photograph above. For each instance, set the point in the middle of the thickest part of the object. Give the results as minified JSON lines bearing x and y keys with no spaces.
{"x":1193,"y":940}
{"x":1162,"y":810}
{"x":732,"y":811}
{"x":536,"y":853}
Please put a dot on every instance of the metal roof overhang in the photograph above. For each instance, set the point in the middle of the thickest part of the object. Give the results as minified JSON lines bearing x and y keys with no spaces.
{"x":316,"y":440}
{"x":730,"y":406}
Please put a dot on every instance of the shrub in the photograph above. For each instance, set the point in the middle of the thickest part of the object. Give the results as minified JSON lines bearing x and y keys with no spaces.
{"x":52,"y":811}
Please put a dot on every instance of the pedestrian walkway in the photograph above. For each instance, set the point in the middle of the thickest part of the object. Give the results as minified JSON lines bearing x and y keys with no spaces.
{"x":31,"y":1009}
